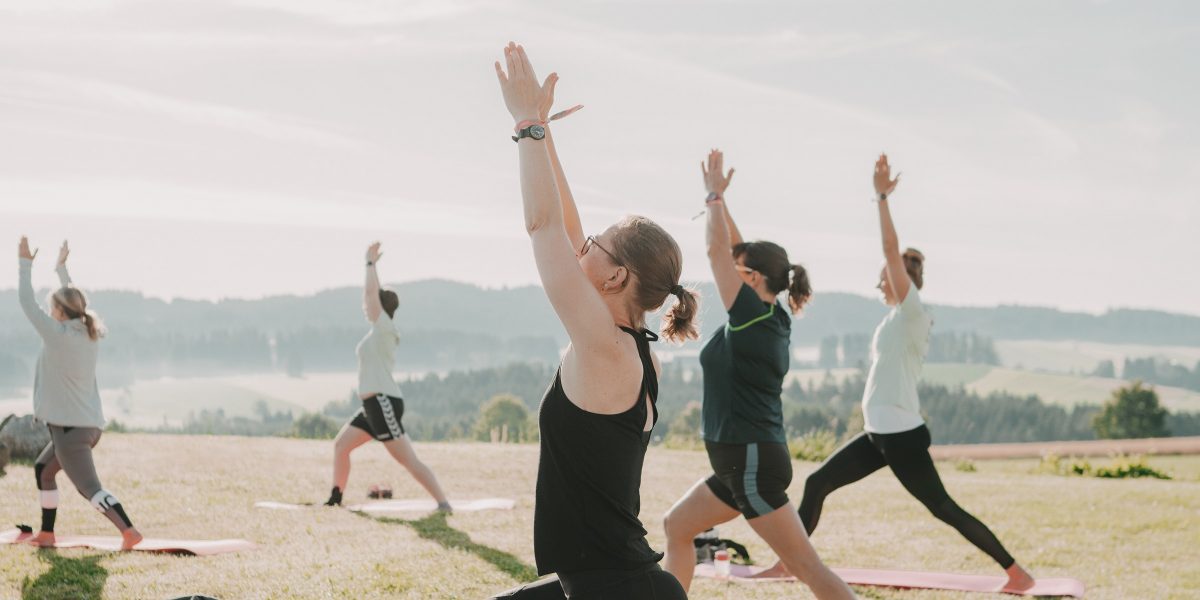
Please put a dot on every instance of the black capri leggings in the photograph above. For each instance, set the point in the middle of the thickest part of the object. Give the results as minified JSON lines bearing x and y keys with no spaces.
{"x":907,"y":454}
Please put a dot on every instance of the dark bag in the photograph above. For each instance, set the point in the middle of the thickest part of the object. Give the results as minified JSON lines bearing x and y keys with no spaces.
{"x":707,"y":544}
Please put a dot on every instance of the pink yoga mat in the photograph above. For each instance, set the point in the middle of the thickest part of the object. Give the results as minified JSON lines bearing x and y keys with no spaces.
{"x":192,"y":547}
{"x":1053,"y":586}
{"x":396,"y":506}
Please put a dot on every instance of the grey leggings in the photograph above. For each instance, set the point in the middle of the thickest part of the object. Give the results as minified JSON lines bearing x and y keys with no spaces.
{"x":70,"y":450}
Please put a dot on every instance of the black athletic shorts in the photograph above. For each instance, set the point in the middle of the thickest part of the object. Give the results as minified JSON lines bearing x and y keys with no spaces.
{"x":380,"y":416}
{"x":751,"y":478}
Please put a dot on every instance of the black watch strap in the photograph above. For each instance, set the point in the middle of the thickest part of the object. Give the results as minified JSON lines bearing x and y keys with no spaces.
{"x":535,"y":131}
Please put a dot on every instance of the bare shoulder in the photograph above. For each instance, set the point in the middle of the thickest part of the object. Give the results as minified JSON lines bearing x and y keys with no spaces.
{"x":603,"y":380}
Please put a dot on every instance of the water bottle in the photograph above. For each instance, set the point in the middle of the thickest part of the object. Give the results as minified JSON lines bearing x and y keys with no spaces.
{"x":721,"y":562}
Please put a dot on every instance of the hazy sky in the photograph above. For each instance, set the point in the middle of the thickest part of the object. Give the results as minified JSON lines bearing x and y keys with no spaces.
{"x":248,"y":147}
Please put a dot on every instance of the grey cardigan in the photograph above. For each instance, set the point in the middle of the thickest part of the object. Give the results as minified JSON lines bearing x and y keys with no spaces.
{"x":64,"y":386}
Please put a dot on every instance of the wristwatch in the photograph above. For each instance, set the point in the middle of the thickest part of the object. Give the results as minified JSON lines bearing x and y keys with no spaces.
{"x":535,"y":131}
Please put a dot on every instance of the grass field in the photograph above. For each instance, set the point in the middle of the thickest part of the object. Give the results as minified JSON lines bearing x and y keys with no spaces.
{"x":1124,"y":538}
{"x":1052,"y":388}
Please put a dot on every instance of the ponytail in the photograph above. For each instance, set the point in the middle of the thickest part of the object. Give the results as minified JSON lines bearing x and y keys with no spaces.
{"x":92,"y":322}
{"x":72,"y":301}
{"x":679,"y":325}
{"x":800,"y":290}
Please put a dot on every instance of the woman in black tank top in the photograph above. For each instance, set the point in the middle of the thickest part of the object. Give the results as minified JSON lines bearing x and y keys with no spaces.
{"x":597,"y":415}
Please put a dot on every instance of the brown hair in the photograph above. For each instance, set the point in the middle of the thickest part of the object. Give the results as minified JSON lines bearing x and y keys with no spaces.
{"x":914,"y":263}
{"x":653,"y":258}
{"x":771,"y":261}
{"x":73,"y":303}
{"x":390,"y":302}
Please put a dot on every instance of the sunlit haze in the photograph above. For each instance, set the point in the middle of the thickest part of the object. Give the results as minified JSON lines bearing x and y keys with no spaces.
{"x":242,"y":148}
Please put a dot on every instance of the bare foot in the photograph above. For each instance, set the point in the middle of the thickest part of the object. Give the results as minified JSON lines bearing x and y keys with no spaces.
{"x":130,"y":538}
{"x":775,"y":571}
{"x":1019,"y":580}
{"x":43,"y":539}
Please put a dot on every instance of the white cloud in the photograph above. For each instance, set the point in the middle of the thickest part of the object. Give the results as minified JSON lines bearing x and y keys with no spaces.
{"x":51,"y":89}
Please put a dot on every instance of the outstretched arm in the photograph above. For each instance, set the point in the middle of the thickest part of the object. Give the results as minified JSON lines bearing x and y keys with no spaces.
{"x":371,"y":287}
{"x":884,"y":186}
{"x":64,"y":278}
{"x":42,"y":322}
{"x":570,"y":212}
{"x":582,"y":312}
{"x":720,"y":234}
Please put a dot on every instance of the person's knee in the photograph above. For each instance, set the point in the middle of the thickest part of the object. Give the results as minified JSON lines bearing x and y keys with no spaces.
{"x":676,"y":526}
{"x":817,"y":485}
{"x":945,"y":509}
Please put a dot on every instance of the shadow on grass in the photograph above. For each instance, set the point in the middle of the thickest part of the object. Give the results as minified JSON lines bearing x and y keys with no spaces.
{"x":81,"y":577}
{"x":435,"y":528}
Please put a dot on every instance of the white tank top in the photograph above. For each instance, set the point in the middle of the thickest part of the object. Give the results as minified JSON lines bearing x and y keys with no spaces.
{"x":376,"y":355}
{"x":890,"y":403}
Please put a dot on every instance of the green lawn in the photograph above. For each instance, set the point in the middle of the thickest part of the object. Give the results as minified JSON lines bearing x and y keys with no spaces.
{"x":1124,"y":538}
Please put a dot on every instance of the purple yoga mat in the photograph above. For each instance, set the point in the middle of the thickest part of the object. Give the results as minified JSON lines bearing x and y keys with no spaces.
{"x":1050,"y":586}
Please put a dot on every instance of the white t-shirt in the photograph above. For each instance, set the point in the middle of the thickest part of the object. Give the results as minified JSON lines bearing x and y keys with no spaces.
{"x":890,"y":403}
{"x":376,"y":355}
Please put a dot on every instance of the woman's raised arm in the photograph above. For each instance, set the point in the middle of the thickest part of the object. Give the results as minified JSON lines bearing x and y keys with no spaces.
{"x":721,"y":234}
{"x":371,"y":287}
{"x":583,"y":313}
{"x":884,"y":186}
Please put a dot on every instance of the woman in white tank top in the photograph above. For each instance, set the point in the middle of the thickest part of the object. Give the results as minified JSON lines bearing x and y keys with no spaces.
{"x":896,"y":436}
{"x":382,"y":405}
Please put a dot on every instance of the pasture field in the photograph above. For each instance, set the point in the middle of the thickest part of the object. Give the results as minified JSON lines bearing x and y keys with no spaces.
{"x":1070,"y":356}
{"x":1123,"y":538}
{"x":1052,"y":388}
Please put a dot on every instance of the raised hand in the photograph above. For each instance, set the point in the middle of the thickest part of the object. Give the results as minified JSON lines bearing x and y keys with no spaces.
{"x":714,"y":180}
{"x":373,"y":253}
{"x":884,"y":184}
{"x":525,"y":98}
{"x":23,"y":249}
{"x":63,"y":253}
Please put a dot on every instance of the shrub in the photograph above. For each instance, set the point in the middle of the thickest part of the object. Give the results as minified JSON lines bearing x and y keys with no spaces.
{"x":1124,"y":468}
{"x":965,"y":465}
{"x":314,"y":426}
{"x":684,"y":432}
{"x":814,"y":446}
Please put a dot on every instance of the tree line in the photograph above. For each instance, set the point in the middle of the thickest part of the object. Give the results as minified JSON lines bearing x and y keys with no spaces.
{"x":503,"y":401}
{"x":854,"y":349}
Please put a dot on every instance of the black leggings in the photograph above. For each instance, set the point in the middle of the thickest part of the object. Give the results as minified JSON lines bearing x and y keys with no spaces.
{"x":649,"y":584}
{"x":907,"y":454}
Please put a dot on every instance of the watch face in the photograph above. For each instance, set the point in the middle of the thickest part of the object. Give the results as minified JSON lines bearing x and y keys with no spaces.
{"x":537,"y":132}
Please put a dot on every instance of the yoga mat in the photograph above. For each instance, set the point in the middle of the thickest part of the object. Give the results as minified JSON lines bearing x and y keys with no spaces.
{"x":1050,"y":586}
{"x":394,"y":506}
{"x":190,"y":547}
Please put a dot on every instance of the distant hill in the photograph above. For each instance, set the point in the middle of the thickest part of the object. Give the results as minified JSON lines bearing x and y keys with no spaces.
{"x":446,"y":306}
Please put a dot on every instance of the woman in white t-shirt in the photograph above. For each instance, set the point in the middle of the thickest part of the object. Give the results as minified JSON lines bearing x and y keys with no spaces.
{"x":896,"y":435}
{"x":382,"y":406}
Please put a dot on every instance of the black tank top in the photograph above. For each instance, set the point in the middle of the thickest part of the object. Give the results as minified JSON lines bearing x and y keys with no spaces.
{"x":589,"y":474}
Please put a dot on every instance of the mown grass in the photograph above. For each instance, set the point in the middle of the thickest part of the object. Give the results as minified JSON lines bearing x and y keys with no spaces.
{"x":1124,"y":538}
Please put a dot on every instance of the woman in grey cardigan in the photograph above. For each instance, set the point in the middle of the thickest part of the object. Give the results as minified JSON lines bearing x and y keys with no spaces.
{"x":66,"y":398}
